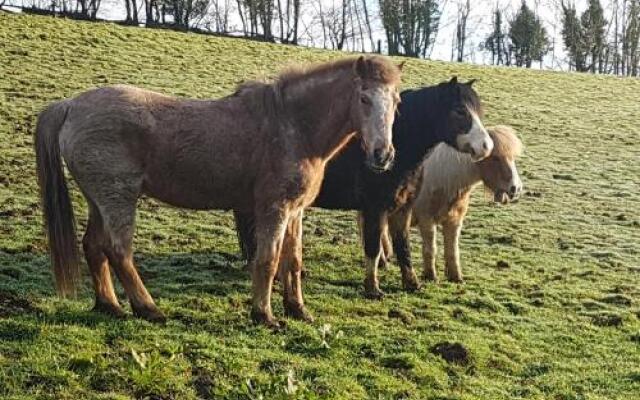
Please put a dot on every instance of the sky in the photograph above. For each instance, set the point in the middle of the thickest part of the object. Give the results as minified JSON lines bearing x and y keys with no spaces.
{"x":479,"y":25}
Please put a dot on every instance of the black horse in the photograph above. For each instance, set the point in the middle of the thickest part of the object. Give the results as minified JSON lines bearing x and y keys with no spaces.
{"x":449,"y":112}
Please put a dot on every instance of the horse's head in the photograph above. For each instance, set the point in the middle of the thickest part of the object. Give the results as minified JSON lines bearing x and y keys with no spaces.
{"x":374,"y":106}
{"x":498,"y":171}
{"x":463,"y":127}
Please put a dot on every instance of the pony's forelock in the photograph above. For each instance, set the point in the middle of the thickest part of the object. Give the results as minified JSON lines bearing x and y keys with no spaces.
{"x":505,"y":141}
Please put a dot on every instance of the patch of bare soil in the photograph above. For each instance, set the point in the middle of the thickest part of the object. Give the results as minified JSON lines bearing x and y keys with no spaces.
{"x":455,"y":353}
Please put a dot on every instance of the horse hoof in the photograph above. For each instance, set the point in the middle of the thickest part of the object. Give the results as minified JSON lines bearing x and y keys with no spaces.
{"x":430,"y":278}
{"x":411,"y":285}
{"x":455,"y":279}
{"x":266,"y":320}
{"x":150,"y":313}
{"x":110,"y":309}
{"x":374,"y":294}
{"x":299,"y":313}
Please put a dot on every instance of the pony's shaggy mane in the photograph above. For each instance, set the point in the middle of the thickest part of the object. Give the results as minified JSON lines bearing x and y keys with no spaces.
{"x":268,"y":96}
{"x":378,"y":69}
{"x":505,"y":141}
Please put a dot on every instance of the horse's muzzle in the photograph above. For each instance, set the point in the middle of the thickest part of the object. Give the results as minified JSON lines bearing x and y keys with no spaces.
{"x":504,"y":197}
{"x":382,"y":159}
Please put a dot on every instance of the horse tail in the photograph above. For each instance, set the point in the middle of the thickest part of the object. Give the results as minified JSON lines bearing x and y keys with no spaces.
{"x":54,"y":194}
{"x":245,"y":229}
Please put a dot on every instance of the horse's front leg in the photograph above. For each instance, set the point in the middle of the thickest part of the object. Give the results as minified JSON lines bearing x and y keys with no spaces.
{"x":399,"y":224}
{"x":373,"y":221}
{"x":385,"y":242}
{"x":387,"y":248}
{"x":270,"y":230}
{"x":451,"y":233}
{"x":291,"y":270}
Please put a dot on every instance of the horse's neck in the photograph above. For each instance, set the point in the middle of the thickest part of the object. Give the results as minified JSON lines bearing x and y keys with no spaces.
{"x":416,"y":131}
{"x":449,"y":171}
{"x":320,"y":110}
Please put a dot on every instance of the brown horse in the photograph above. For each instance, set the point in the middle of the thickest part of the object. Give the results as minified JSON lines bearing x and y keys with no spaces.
{"x":448,"y":179}
{"x":261,"y":150}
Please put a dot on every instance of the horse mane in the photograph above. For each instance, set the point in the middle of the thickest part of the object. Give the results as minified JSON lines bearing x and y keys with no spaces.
{"x":505,"y":141}
{"x":471,"y":98}
{"x":268,"y":97}
{"x":378,"y":69}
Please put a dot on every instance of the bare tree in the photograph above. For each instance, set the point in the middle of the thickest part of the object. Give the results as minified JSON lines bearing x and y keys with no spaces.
{"x":219,"y":13}
{"x":257,"y":18}
{"x":410,"y":25}
{"x":631,"y":42}
{"x":496,"y":42}
{"x":367,"y":21}
{"x":334,"y":18}
{"x":288,"y":19}
{"x":464,"y":9}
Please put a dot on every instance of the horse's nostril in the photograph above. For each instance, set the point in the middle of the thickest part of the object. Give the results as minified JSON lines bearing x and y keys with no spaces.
{"x":485,"y":146}
{"x":377,"y":154}
{"x":513,"y":189}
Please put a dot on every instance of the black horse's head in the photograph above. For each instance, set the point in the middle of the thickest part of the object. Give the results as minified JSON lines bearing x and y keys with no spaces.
{"x":460,"y":124}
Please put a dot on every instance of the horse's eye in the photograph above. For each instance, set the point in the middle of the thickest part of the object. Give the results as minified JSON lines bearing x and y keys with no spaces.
{"x":365,"y":100}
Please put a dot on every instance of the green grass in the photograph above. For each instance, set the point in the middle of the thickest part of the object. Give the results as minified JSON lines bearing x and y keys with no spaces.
{"x":562,"y":322}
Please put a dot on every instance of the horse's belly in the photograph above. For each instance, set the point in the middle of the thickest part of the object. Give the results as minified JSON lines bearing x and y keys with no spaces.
{"x":199,"y":194}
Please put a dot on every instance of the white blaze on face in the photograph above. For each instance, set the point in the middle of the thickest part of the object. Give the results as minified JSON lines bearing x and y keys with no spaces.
{"x":378,"y":115}
{"x":515,"y":180}
{"x":477,"y":141}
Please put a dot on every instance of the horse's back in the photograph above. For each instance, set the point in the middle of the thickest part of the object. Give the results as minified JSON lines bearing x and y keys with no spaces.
{"x":177,"y":150}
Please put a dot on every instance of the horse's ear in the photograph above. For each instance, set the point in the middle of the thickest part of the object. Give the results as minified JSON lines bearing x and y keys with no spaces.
{"x":401,"y":65}
{"x":471,"y":82}
{"x":453,"y":80}
{"x":361,"y":67}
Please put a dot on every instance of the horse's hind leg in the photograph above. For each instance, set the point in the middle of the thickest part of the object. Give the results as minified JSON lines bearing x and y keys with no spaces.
{"x":93,"y":243}
{"x":399,"y":224}
{"x":117,"y":207}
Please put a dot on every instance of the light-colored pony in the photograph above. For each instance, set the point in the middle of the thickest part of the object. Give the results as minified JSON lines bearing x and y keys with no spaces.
{"x":448,"y":179}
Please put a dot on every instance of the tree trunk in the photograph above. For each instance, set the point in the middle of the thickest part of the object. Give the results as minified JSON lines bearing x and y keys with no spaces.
{"x":296,"y":19}
{"x":367,"y":23}
{"x":343,"y":30}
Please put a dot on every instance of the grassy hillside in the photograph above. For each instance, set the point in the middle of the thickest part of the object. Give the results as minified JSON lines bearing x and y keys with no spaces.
{"x":561,"y":322}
